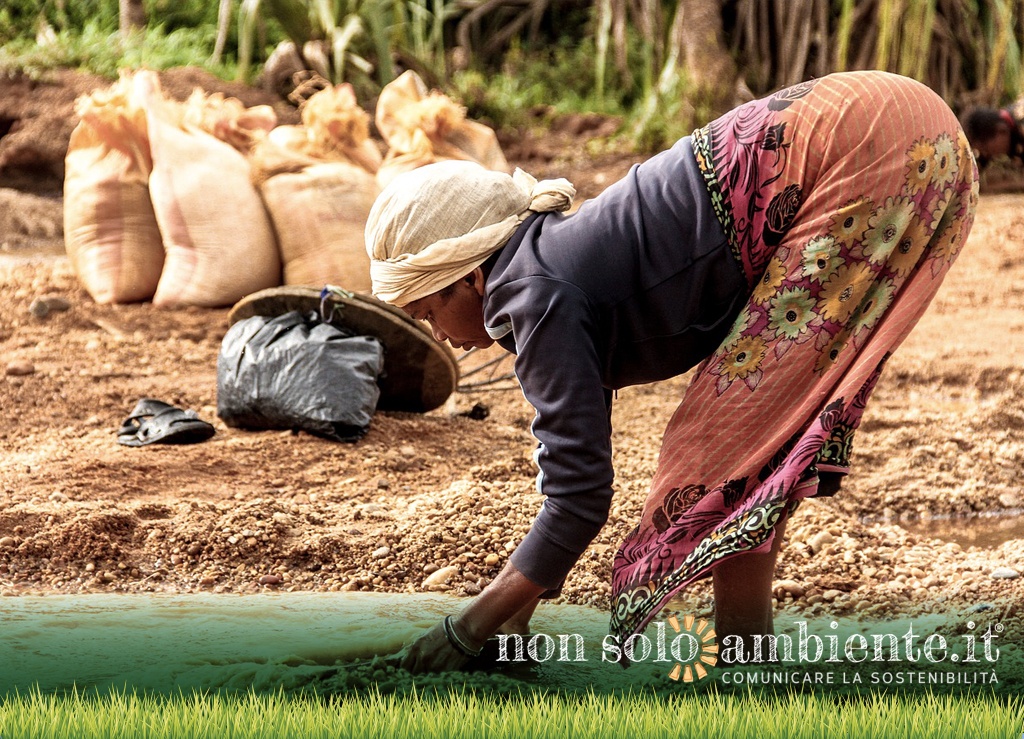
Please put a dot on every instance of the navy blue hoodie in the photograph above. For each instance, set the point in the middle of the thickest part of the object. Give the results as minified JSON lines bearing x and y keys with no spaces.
{"x":638,"y":285}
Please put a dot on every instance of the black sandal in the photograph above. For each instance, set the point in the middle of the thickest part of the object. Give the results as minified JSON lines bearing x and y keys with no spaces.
{"x":154,"y":421}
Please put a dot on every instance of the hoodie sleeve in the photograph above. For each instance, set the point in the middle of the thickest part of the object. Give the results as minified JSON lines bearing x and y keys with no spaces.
{"x":553,"y":327}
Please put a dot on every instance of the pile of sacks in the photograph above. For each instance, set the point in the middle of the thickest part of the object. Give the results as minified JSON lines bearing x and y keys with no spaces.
{"x":205,"y":201}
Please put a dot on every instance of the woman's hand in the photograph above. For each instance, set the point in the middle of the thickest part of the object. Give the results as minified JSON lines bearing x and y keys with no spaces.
{"x":432,"y":652}
{"x":510,"y":594}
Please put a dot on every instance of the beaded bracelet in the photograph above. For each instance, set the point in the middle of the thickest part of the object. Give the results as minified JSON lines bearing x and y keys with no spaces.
{"x":456,"y":642}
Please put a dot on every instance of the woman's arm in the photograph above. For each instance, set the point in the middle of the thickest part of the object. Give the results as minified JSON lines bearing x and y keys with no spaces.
{"x":559,"y":372}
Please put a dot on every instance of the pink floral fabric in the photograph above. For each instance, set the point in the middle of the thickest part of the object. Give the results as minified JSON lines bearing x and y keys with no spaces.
{"x":845,"y":201}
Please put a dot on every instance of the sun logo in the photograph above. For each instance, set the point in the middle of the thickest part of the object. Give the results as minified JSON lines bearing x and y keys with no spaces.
{"x":703,"y":649}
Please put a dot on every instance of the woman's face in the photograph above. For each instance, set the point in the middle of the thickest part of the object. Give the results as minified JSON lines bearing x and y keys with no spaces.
{"x":455,"y":315}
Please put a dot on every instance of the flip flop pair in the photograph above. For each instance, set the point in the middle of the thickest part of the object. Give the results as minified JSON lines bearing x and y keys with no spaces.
{"x":153,"y":421}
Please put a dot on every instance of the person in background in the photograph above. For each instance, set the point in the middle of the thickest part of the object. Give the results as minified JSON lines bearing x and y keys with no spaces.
{"x":785,"y":250}
{"x":996,"y":133}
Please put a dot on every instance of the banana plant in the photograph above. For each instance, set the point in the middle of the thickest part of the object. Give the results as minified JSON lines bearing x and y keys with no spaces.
{"x":332,"y":36}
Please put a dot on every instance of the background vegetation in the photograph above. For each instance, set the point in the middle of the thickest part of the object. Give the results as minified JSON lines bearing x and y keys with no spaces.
{"x":663,"y":65}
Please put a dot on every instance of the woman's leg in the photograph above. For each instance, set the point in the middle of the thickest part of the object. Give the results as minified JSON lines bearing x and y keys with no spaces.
{"x":743,"y":593}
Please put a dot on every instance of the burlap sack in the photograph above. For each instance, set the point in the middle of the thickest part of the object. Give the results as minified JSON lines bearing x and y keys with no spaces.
{"x":422,"y":127}
{"x":110,"y":230}
{"x":318,"y":183}
{"x":334,"y":129}
{"x":338,"y":129}
{"x":319,"y":213}
{"x":217,"y":236}
{"x":228,"y":119}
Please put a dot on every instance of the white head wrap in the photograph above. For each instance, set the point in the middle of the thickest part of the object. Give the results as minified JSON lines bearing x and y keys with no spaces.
{"x":434,"y":225}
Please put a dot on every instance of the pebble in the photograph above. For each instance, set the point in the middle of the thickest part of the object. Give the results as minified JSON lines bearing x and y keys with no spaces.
{"x":1004,"y":573}
{"x":7,"y":542}
{"x":271,"y":580}
{"x":831,"y":595}
{"x":380,"y":552}
{"x":792,"y":587}
{"x":39,"y":308}
{"x":1010,"y":500}
{"x":43,"y":306}
{"x":430,"y":568}
{"x":478,"y":412}
{"x":20,"y":368}
{"x":820,"y":540}
{"x":441,"y":577}
{"x":491,"y":560}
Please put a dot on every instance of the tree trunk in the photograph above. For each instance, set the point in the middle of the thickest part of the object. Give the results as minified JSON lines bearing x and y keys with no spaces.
{"x":132,"y":15}
{"x":699,"y":35}
{"x":223,"y":26}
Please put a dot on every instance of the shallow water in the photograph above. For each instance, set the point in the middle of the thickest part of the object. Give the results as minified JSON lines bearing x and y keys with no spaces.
{"x":263,"y":642}
{"x":294,"y":641}
{"x":196,"y":639}
{"x":15,"y":257}
{"x":986,"y":531}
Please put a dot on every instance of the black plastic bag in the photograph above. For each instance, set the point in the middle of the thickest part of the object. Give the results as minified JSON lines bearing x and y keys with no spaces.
{"x":297,"y":372}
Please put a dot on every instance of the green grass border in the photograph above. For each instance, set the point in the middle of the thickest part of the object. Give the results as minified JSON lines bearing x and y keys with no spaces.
{"x":464,"y":714}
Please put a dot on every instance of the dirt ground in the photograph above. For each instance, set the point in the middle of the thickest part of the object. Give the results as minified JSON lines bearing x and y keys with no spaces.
{"x":437,"y":501}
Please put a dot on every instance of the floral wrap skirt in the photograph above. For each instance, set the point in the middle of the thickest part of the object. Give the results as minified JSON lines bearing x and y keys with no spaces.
{"x":845,"y":200}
